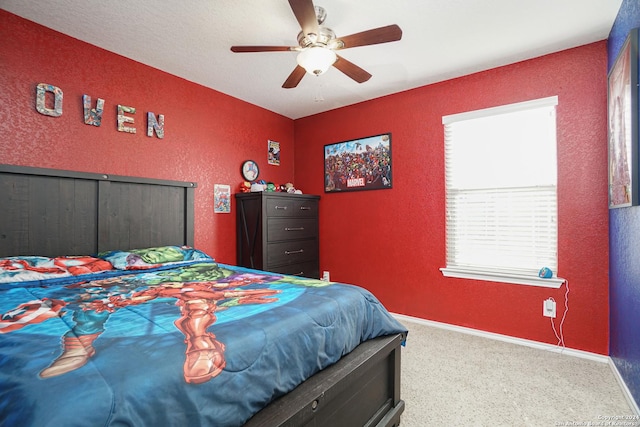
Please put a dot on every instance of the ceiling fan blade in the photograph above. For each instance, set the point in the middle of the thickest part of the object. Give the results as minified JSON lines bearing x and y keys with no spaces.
{"x":390,"y":33}
{"x":294,"y":78}
{"x":240,"y":49}
{"x":351,"y":70}
{"x":305,"y":13}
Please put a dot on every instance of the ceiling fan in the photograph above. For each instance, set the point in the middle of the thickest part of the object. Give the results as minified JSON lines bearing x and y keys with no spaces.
{"x":317,"y":45}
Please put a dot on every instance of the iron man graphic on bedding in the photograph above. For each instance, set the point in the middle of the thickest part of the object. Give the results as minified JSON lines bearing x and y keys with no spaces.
{"x":199,"y":290}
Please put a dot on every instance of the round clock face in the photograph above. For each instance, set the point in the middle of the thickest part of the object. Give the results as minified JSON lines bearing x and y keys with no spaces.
{"x":250,"y":170}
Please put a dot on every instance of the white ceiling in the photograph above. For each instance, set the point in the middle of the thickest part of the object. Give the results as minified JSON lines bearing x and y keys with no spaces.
{"x":442,"y":39}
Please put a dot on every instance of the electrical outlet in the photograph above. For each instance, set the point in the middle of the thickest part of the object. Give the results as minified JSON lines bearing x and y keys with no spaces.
{"x":549,"y":308}
{"x":326,"y":276}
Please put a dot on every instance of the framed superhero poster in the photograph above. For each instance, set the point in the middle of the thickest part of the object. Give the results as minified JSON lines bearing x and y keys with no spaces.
{"x":358,"y":164}
{"x":221,"y":198}
{"x":623,"y":125}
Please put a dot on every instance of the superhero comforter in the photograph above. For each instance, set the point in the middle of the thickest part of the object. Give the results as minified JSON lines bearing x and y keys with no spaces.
{"x":165,"y":336}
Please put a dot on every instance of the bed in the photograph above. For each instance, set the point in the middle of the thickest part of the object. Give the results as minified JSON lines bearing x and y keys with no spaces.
{"x":110,"y":316}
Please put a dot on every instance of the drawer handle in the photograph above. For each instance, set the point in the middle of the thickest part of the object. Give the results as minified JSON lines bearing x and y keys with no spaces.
{"x":305,"y":208}
{"x":281,"y":207}
{"x":294,"y":252}
{"x":294,"y":229}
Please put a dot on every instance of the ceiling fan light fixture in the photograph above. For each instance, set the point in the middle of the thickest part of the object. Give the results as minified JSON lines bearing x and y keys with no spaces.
{"x":316,"y":59}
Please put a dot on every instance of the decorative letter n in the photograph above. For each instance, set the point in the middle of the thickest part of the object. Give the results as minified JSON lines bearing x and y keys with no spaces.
{"x":152,"y":125}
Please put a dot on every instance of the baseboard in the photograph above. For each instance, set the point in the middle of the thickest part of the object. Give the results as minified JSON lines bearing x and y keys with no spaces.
{"x":534,"y":344}
{"x":521,"y":341}
{"x":625,"y":390}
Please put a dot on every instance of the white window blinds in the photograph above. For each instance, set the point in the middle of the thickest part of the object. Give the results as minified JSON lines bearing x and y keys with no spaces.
{"x":501,"y":202}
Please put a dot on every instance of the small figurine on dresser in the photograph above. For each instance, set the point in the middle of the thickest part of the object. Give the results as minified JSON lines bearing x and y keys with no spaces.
{"x":289,"y":188}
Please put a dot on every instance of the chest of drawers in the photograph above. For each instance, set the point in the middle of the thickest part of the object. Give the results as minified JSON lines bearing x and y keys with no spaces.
{"x":278,"y":232}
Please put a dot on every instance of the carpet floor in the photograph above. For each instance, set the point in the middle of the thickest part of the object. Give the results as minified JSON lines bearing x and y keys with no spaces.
{"x":452,"y":378}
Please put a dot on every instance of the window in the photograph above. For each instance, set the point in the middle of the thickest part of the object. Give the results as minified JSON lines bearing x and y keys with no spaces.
{"x":501,"y":199}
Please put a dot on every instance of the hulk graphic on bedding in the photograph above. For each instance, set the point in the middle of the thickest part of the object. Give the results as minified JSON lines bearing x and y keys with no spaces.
{"x":200,"y":290}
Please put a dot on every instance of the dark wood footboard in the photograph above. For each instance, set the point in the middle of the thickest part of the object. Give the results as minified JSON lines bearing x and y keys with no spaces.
{"x":361,"y":389}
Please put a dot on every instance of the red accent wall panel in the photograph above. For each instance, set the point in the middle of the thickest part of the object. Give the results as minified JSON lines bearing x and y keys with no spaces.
{"x":393,"y":241}
{"x":390,"y":241}
{"x":207,"y":134}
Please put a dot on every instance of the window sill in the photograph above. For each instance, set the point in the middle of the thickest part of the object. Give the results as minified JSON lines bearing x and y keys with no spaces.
{"x":502,"y":277}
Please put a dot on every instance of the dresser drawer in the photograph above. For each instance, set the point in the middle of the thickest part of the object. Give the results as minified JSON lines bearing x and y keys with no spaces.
{"x":303,"y":269}
{"x":290,"y":228}
{"x":292,"y":207}
{"x":291,"y":252}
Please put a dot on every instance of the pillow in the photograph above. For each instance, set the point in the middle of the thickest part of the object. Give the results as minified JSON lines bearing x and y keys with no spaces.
{"x":29,"y":268}
{"x":143,"y":259}
{"x":39,"y":270}
{"x":36,"y":268}
{"x":77,"y":265}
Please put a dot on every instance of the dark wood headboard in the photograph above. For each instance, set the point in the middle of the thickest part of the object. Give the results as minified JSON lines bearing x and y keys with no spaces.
{"x":55,"y":212}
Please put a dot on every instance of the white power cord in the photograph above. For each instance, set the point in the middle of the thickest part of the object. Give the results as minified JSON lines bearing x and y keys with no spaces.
{"x":560,"y":336}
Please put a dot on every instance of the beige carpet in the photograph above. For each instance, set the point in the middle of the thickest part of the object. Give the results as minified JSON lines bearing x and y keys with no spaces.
{"x":451,"y":378}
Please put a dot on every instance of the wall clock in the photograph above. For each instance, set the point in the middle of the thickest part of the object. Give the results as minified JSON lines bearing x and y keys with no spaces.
{"x":250,"y":170}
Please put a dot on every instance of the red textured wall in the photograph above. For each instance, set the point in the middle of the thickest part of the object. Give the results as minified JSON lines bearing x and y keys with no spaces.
{"x":207,"y":134}
{"x":393,"y":241}
{"x":390,"y":241}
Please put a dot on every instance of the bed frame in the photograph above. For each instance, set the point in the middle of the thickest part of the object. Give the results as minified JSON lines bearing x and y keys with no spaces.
{"x":55,"y":212}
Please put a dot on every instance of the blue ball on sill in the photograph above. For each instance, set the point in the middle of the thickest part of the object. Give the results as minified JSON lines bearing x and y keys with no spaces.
{"x":545,"y":273}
